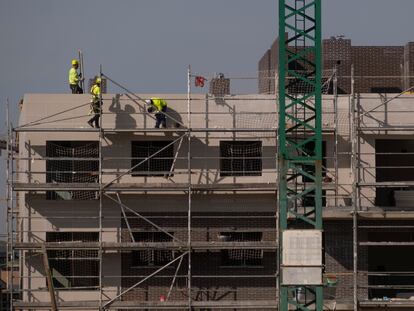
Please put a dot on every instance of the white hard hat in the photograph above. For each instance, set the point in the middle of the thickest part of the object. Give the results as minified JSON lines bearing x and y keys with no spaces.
{"x":148,"y":101}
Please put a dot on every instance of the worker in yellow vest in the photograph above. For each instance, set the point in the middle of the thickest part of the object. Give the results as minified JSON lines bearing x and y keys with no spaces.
{"x":75,"y":78}
{"x":96,"y":103}
{"x":159,"y":106}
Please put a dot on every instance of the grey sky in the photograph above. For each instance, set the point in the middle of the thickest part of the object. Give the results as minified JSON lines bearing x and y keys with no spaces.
{"x":147,"y":44}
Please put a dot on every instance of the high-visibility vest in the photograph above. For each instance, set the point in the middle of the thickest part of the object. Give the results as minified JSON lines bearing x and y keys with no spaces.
{"x":96,"y":93}
{"x":159,"y":103}
{"x":73,"y":76}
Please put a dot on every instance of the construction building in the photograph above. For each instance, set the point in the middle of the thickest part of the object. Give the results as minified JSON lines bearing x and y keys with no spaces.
{"x":187,"y":217}
{"x":132,"y":217}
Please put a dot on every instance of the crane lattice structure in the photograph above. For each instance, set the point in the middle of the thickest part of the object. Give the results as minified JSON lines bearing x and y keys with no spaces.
{"x":300,"y":154}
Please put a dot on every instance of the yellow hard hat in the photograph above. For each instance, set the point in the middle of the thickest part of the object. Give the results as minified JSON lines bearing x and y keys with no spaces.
{"x":98,"y":81}
{"x":75,"y":62}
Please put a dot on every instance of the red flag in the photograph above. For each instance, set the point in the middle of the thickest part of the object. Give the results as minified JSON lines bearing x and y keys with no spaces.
{"x":199,"y":81}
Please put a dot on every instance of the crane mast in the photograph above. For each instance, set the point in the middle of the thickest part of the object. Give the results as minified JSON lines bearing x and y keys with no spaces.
{"x":300,"y":155}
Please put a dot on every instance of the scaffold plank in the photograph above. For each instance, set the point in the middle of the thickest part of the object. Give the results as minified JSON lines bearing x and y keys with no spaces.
{"x":261,"y":245}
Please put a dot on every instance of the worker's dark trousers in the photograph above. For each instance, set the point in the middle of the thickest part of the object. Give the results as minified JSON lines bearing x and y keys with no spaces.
{"x":161,"y":119}
{"x":76,"y":89}
{"x":96,"y":108}
{"x":95,"y":119}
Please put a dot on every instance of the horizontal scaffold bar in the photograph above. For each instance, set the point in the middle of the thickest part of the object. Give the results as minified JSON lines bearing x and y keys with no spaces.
{"x":126,"y":246}
{"x":178,"y":305}
{"x":145,"y":187}
{"x":386,"y":128}
{"x":146,"y":130}
{"x":154,"y":130}
{"x":389,"y":243}
{"x":134,"y":187}
{"x":387,"y":184}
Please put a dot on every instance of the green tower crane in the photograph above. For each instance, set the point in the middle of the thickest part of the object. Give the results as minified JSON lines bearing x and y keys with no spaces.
{"x":300,"y":156}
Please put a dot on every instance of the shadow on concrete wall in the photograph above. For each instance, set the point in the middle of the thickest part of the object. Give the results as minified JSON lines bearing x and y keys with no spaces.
{"x":123,"y":118}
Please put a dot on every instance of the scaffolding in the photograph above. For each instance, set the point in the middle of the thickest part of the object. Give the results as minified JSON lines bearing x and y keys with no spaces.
{"x":80,"y":172}
{"x":169,"y":245}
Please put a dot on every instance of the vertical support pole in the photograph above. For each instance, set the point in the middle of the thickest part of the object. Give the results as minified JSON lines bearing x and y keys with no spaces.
{"x":82,"y":70}
{"x":12,"y":204}
{"x":282,"y":191}
{"x":355,"y":199}
{"x":277,"y":214}
{"x":189,"y":283}
{"x":101,"y":189}
{"x":318,"y":126}
{"x":335,"y":93}
{"x":9,"y":167}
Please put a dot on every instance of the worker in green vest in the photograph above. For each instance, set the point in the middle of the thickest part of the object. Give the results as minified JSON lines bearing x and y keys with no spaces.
{"x":75,"y":78}
{"x":96,"y":103}
{"x":159,"y":106}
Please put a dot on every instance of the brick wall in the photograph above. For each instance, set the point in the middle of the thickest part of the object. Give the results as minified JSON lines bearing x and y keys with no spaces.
{"x":338,"y":53}
{"x":375,"y":62}
{"x":382,"y":62}
{"x":338,"y":261}
{"x":268,"y":66}
{"x":208,"y":282}
{"x":264,"y":73}
{"x":408,"y":65}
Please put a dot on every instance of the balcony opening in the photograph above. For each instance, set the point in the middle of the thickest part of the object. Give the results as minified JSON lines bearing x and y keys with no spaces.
{"x":389,"y":266}
{"x":151,"y":256}
{"x":159,"y":165}
{"x":241,"y":257}
{"x":240,"y":158}
{"x":74,"y":269}
{"x":394,"y":163}
{"x":66,"y":170}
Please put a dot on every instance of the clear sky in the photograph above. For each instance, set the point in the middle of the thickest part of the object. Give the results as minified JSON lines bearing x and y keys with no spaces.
{"x":147,"y":44}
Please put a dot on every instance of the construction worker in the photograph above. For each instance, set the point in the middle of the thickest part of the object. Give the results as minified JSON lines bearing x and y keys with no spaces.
{"x":75,"y":77}
{"x":96,"y":103}
{"x":159,"y":106}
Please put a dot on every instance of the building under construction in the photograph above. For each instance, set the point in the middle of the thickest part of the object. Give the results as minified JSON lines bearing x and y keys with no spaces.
{"x":186,"y":218}
{"x":132,"y":216}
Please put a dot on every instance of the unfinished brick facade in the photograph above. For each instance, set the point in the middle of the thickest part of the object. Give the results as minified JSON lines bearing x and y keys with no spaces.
{"x":377,"y":69}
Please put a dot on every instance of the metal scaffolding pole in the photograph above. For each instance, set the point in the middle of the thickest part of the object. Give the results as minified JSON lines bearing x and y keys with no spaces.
{"x":189,"y":186}
{"x":335,"y":91}
{"x":174,"y":278}
{"x":10,"y":232}
{"x":125,"y":217}
{"x":101,"y":189}
{"x":355,"y":173}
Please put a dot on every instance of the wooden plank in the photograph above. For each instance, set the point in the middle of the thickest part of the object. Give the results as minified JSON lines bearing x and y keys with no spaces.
{"x":49,"y":279}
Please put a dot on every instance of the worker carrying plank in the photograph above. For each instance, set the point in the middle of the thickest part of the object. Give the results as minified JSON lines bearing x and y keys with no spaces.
{"x":96,"y":103}
{"x":75,"y":78}
{"x":159,"y":107}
